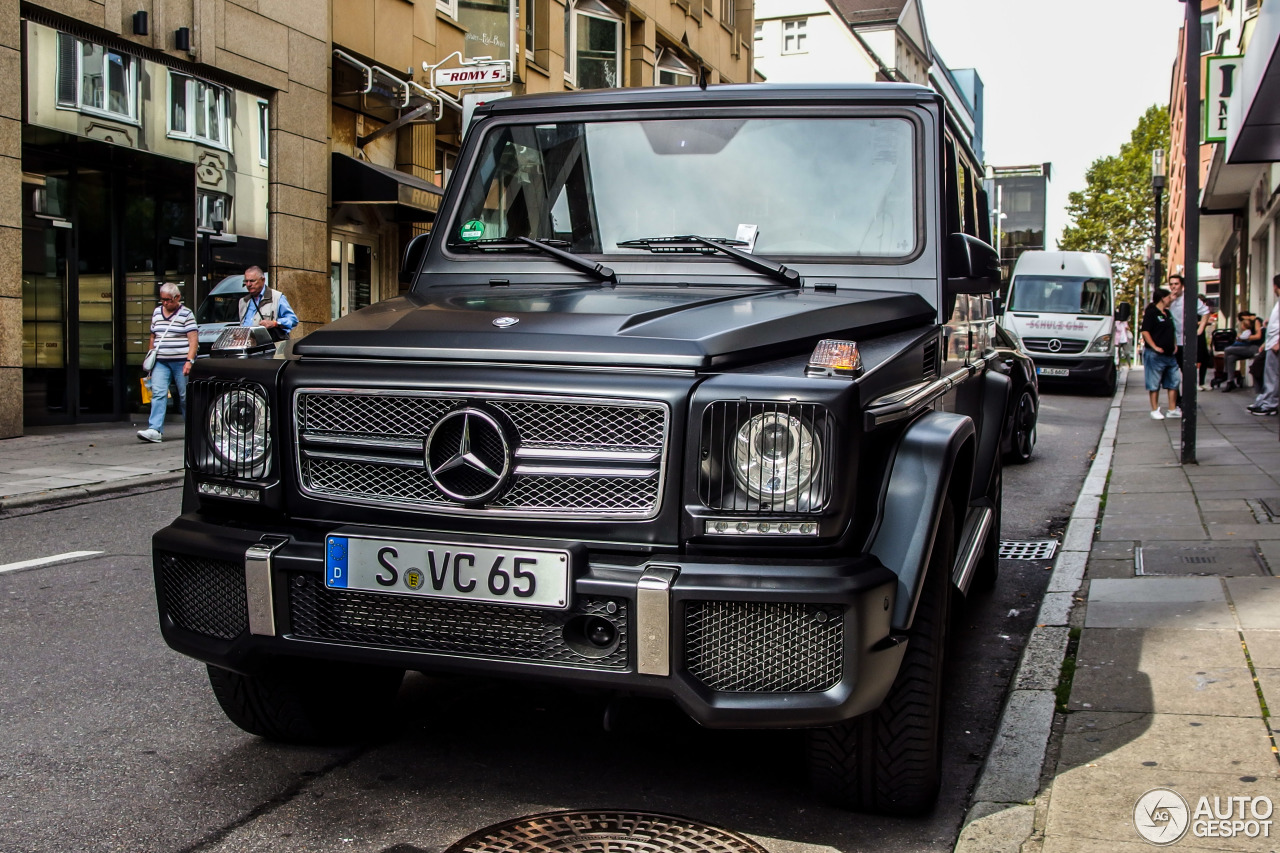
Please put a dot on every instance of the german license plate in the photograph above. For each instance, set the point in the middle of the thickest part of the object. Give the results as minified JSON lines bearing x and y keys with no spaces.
{"x":526,"y":576}
{"x":1052,"y":371}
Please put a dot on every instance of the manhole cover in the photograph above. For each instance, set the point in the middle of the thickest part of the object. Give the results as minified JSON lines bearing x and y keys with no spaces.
{"x":1012,"y":549}
{"x":1222,"y":560}
{"x":603,"y":832}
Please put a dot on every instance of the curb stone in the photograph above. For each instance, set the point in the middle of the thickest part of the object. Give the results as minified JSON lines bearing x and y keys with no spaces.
{"x":72,"y":493}
{"x":1002,"y":816}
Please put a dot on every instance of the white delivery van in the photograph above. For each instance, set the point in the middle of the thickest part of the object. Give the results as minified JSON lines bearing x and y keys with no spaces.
{"x":1061,"y":305}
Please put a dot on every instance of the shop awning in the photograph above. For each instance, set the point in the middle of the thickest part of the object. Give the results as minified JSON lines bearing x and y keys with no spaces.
{"x":1253,"y":129}
{"x":360,"y":182}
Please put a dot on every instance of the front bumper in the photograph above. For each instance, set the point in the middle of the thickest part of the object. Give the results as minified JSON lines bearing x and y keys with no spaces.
{"x":735,"y":643}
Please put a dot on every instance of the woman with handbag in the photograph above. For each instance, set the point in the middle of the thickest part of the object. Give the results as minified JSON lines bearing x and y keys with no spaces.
{"x":174,"y":339}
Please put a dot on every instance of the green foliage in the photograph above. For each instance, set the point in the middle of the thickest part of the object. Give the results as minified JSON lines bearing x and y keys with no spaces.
{"x":1113,"y":213}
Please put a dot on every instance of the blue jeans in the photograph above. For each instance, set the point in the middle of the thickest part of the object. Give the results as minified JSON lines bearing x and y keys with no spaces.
{"x":1160,"y":371}
{"x":166,"y":370}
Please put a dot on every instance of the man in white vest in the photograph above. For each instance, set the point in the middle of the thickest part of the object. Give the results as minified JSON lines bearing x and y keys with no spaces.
{"x":265,"y":307}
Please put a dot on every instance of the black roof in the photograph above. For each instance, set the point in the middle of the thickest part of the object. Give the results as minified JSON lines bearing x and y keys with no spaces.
{"x":722,"y":95}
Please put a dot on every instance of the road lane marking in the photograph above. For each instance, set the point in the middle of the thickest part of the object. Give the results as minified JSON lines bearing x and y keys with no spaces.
{"x":44,"y":561}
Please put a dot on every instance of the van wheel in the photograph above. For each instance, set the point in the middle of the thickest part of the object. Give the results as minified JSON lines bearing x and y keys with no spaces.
{"x":1108,"y":387}
{"x":303,"y":701}
{"x":889,"y":760}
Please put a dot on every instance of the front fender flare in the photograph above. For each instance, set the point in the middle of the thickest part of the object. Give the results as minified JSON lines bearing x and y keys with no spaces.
{"x":934,"y":453}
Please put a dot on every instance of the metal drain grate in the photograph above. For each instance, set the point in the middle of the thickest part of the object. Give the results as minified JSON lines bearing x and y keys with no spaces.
{"x":602,"y":831}
{"x":1012,"y":549}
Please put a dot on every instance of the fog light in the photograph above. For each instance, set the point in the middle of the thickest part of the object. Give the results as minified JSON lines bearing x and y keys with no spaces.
{"x":601,"y":633}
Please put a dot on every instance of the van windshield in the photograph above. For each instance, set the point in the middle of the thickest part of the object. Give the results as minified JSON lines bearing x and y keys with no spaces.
{"x":1055,"y":294}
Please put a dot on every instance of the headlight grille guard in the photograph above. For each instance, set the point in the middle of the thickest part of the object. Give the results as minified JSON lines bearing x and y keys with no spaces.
{"x":235,"y":456}
{"x":731,"y":427}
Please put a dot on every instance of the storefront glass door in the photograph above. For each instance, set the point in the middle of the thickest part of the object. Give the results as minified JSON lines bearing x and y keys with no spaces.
{"x":352,"y":277}
{"x":89,"y":282}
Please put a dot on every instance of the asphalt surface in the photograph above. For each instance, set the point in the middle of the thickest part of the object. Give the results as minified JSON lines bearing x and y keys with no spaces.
{"x":111,"y":742}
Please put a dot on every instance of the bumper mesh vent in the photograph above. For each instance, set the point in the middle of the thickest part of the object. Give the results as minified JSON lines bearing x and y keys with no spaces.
{"x":450,"y":627}
{"x":755,"y":647}
{"x":204,"y":596}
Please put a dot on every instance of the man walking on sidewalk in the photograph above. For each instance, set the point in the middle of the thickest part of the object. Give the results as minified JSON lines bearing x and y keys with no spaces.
{"x":1266,"y":402}
{"x":1176,"y":289}
{"x":1159,"y":367}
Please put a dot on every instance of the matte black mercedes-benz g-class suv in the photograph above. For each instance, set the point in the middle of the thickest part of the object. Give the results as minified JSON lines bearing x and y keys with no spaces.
{"x":692,"y":396}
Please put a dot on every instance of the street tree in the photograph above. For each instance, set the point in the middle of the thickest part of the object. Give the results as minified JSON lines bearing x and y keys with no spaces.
{"x":1114,"y":213}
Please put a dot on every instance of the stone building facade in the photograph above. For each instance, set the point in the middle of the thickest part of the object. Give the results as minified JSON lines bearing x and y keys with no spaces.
{"x":182,"y":140}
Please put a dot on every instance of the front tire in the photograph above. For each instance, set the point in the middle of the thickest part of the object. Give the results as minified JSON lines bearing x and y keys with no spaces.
{"x":1023,"y":440}
{"x":303,"y":701}
{"x":889,"y":760}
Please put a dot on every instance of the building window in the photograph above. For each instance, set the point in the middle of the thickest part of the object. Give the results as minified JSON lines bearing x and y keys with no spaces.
{"x":489,"y":25}
{"x":449,"y":7}
{"x":213,"y":211}
{"x":595,"y":33}
{"x":674,"y":71}
{"x":529,"y":28}
{"x":94,"y":78}
{"x":199,"y":111}
{"x":727,"y":12}
{"x":795,"y":36}
{"x":264,"y":131}
{"x":759,"y":31}
{"x":1208,"y":21}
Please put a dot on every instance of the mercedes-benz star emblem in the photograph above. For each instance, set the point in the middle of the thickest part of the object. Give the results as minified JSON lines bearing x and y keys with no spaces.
{"x":468,"y":456}
{"x":1055,"y":345}
{"x":504,"y":322}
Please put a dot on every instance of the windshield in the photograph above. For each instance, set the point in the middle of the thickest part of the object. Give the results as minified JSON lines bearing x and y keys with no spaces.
{"x":222,"y":305}
{"x":1053,"y":294}
{"x":832,"y":186}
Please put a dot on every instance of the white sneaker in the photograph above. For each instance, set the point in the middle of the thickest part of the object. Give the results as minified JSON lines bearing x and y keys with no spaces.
{"x":150,"y":435}
{"x":1174,"y":413}
{"x":1155,"y":416}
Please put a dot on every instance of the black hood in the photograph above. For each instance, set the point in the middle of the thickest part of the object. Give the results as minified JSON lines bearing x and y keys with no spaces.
{"x":650,"y":326}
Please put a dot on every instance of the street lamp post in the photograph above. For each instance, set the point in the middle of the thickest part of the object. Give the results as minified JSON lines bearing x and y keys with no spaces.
{"x":1157,"y":184}
{"x":1190,"y":223}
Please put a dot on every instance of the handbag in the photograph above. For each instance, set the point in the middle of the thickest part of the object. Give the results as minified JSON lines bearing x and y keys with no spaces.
{"x":149,"y":360}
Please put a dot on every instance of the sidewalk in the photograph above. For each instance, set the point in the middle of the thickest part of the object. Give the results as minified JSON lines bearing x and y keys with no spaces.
{"x":58,"y":463}
{"x":1177,"y":663}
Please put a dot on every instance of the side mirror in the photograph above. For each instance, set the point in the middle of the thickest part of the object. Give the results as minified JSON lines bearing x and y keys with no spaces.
{"x":413,"y":255}
{"x":1124,"y":312}
{"x":972,"y":265}
{"x":997,"y":304}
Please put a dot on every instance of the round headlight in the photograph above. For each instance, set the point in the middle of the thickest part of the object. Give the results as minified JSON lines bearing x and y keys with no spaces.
{"x":238,"y":427}
{"x":775,"y":456}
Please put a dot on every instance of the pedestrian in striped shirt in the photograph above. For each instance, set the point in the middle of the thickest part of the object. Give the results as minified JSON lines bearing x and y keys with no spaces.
{"x":175,"y":335}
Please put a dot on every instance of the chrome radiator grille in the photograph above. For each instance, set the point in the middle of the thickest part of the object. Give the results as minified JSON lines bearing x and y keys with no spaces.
{"x":1066,"y":347}
{"x":764,"y":647}
{"x":579,"y":458}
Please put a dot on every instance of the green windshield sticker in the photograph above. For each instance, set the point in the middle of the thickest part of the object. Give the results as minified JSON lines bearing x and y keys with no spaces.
{"x":472,"y":230}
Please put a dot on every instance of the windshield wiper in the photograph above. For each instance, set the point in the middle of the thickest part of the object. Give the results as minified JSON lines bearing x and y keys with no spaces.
{"x":547,"y":247}
{"x":705,"y":245}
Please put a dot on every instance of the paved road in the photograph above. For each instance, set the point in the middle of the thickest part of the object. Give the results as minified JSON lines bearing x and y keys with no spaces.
{"x":110,"y":742}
